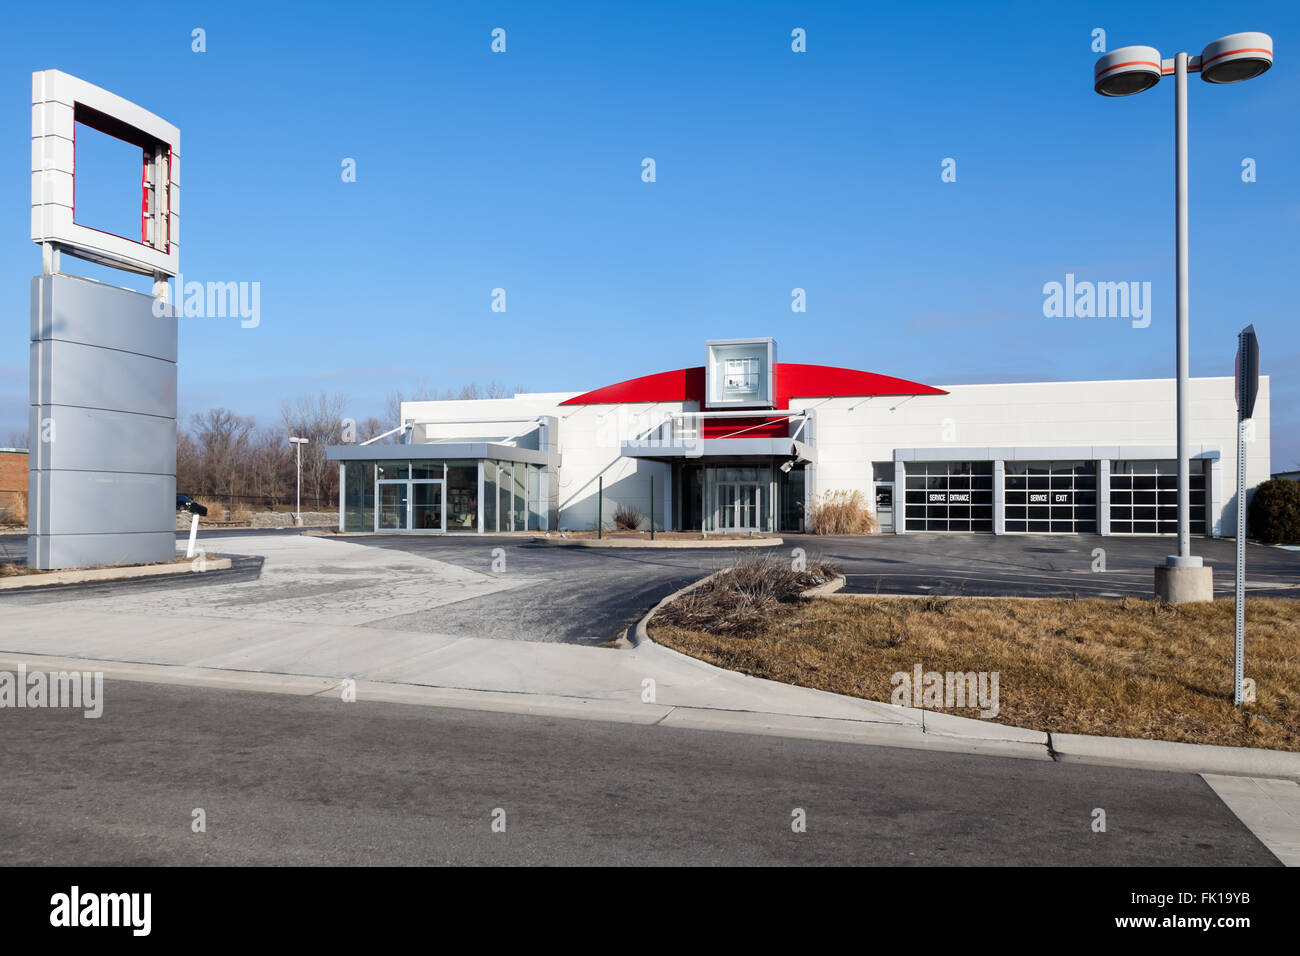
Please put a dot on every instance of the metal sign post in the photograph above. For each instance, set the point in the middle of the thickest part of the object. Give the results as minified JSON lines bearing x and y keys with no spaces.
{"x":1239,"y":656}
{"x":1247,"y":390}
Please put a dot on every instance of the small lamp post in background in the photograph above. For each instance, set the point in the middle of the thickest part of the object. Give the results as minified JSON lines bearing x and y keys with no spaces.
{"x":298,"y":443}
{"x":1133,"y":69}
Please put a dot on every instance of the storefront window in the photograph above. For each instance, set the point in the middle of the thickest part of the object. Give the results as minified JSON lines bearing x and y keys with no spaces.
{"x":504,"y":483}
{"x":462,"y":496}
{"x":534,"y":498}
{"x":512,"y":495}
{"x":690,"y":498}
{"x":359,"y":496}
{"x":790,"y":488}
{"x":521,"y":497}
{"x":489,"y":496}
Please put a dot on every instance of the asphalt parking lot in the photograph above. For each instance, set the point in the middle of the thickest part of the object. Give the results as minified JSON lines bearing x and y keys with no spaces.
{"x":587,"y":595}
{"x":513,"y":588}
{"x":947,"y":564}
{"x":574,"y":595}
{"x":1041,"y":565}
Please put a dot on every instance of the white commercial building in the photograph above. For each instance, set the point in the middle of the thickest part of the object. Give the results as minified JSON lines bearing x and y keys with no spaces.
{"x":747,"y":443}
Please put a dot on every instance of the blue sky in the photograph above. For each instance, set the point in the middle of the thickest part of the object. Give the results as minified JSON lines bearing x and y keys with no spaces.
{"x":775,"y":170}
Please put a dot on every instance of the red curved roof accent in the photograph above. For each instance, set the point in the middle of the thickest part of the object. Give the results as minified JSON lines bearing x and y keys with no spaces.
{"x":821,"y":381}
{"x":792,"y":381}
{"x":682,"y":385}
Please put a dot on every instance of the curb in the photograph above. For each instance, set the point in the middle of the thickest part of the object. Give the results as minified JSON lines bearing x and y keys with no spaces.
{"x":24,"y":582}
{"x":681,"y":717}
{"x":930,"y":730}
{"x":636,"y":635}
{"x":830,"y":587}
{"x":1175,"y":756}
{"x":647,"y":543}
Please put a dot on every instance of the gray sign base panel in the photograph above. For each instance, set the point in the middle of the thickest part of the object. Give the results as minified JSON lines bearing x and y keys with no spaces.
{"x":102,"y":479}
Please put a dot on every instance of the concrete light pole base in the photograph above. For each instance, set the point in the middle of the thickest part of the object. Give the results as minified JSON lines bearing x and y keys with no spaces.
{"x":1182,"y":585}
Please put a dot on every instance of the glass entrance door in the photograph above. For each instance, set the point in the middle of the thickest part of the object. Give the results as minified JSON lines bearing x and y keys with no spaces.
{"x":738,"y":506}
{"x":409,"y":505}
{"x":427,"y":513}
{"x":391,"y":505}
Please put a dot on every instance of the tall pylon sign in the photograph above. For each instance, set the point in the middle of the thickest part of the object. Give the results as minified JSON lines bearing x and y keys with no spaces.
{"x":102,"y":429}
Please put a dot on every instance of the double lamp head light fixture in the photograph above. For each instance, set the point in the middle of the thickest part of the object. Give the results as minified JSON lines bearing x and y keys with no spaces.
{"x":1230,"y":59}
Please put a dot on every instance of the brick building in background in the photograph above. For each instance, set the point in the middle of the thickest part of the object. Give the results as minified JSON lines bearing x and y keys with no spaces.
{"x":13,"y":482}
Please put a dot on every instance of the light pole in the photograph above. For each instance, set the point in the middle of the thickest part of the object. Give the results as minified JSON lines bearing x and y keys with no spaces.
{"x":298,"y":443}
{"x":1133,"y":69}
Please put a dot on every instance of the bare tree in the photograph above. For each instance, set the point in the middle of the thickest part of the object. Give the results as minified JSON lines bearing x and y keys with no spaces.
{"x":270,"y":466}
{"x":189,"y":464}
{"x":422,"y":393}
{"x":222,"y":439}
{"x":319,"y":419}
{"x":225,"y":454}
{"x":370,"y":428}
{"x":17,"y":438}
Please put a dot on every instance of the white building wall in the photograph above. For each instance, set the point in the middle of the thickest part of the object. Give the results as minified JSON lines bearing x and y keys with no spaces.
{"x":976,"y":420}
{"x":851,"y":433}
{"x":526,"y":406}
{"x":590,"y":441}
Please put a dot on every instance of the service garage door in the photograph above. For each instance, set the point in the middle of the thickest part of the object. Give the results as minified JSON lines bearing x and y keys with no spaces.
{"x":1144,"y":497}
{"x":949,"y":496}
{"x":1051,"y":497}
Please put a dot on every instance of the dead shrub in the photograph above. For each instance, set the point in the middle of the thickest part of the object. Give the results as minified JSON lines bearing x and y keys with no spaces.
{"x":741,"y":600}
{"x":15,"y":512}
{"x":842,"y":512}
{"x":627,"y":518}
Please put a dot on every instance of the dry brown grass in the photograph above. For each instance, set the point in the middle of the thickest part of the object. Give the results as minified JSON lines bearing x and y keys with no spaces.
{"x":842,"y":512}
{"x":14,"y":512}
{"x":1112,"y":668}
{"x":216,"y":511}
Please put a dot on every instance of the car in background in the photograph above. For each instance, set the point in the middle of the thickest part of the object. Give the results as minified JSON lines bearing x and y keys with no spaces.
{"x":186,"y":503}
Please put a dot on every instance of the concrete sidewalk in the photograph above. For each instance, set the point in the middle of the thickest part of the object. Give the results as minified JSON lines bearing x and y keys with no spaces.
{"x":649,"y":681}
